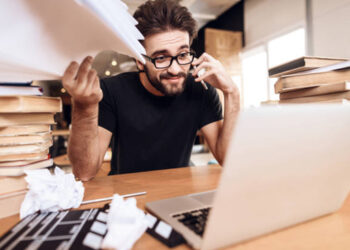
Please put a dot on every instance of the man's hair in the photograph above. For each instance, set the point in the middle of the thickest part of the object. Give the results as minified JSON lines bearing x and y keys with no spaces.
{"x":156,"y":16}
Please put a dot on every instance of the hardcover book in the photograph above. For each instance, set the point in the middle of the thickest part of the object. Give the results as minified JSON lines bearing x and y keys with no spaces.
{"x":302,"y":64}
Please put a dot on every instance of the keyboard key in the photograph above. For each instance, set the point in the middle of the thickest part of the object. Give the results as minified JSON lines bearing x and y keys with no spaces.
{"x":195,"y":220}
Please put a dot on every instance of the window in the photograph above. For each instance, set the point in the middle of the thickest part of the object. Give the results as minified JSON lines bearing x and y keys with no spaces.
{"x":257,"y":86}
{"x":254,"y":72}
{"x":286,"y":47}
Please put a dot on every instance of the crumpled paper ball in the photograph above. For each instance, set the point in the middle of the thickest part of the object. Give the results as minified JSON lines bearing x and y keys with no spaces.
{"x":126,"y":223}
{"x":51,"y":192}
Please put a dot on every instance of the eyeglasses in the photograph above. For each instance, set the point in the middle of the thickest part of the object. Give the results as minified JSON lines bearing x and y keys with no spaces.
{"x":162,"y":62}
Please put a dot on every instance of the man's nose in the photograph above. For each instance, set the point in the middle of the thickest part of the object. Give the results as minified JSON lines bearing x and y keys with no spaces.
{"x":174,"y":68}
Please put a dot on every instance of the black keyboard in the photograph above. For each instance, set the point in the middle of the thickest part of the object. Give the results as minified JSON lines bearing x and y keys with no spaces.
{"x":194,"y":220}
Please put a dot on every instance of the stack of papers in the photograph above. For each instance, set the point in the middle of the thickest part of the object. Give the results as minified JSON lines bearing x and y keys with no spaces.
{"x":40,"y":38}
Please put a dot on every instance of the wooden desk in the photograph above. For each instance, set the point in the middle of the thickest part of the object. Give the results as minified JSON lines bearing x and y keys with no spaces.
{"x":328,"y":232}
{"x":64,"y":163}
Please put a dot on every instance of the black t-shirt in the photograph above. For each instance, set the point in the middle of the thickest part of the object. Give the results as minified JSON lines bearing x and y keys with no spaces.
{"x":153,"y":132}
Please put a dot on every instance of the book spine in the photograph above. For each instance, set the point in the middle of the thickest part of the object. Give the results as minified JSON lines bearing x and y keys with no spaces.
{"x":290,"y":83}
{"x":288,"y":66}
{"x":315,"y":91}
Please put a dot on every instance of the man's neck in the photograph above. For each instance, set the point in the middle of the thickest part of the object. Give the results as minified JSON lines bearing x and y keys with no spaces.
{"x":148,"y":86}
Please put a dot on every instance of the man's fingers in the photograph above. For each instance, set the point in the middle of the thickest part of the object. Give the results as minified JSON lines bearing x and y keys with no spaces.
{"x":82,"y":82}
{"x":205,"y":57}
{"x":91,"y":77}
{"x":204,"y":65}
{"x":97,"y":88}
{"x":209,"y":57}
{"x":94,"y":85}
{"x":205,"y":75}
{"x":197,"y":61}
{"x":96,"y":82}
{"x":70,"y":74}
{"x":83,"y":71}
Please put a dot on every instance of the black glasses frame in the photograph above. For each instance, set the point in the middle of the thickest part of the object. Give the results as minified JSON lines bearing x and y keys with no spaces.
{"x":153,"y":60}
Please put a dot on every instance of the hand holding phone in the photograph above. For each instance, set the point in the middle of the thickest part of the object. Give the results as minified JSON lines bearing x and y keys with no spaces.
{"x":201,"y":72}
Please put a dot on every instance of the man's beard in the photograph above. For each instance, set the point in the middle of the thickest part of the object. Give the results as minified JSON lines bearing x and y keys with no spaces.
{"x":167,"y":90}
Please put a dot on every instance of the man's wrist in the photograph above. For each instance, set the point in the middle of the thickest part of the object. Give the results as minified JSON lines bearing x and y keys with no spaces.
{"x":84,"y":107}
{"x":84,"y":110}
{"x":231,"y":91}
{"x":232,"y":98}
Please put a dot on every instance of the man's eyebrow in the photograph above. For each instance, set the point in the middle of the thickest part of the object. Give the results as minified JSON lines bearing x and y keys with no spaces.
{"x":185,"y":46}
{"x":164,"y":51}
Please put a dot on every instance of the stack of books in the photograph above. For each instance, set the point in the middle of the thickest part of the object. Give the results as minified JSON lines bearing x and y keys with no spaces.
{"x":25,"y":139}
{"x":312,"y":80}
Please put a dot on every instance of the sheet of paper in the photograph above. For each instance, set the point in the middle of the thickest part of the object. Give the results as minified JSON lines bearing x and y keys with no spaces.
{"x":40,"y":38}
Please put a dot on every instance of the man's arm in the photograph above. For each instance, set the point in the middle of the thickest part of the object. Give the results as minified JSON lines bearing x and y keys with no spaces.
{"x":218,"y":134}
{"x":87,"y":142}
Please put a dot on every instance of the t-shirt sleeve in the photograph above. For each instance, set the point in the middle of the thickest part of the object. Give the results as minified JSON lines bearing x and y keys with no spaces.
{"x":107,"y":116}
{"x":211,"y":107}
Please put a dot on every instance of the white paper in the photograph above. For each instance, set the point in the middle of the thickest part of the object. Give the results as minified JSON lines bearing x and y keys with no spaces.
{"x":40,"y":38}
{"x":51,"y":193}
{"x":126,"y":223}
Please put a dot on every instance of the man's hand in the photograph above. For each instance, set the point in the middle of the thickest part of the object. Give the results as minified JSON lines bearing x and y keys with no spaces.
{"x":218,"y":134}
{"x":85,"y":148}
{"x":215,"y":74}
{"x":82,"y":83}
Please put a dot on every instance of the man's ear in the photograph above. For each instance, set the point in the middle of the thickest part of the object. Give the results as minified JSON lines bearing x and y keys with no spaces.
{"x":140,"y":66}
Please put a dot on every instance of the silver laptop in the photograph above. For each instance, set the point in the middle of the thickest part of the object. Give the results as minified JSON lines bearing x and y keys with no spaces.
{"x":285,"y":165}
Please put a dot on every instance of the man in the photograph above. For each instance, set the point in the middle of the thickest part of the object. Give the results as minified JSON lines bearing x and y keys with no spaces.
{"x":153,"y":115}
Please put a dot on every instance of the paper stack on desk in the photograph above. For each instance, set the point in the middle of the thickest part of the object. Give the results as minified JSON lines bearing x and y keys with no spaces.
{"x":40,"y":38}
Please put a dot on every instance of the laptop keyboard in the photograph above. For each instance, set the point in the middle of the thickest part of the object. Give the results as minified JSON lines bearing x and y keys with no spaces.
{"x":194,"y":220}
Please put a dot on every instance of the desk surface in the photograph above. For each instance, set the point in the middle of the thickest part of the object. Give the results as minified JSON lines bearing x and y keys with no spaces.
{"x":328,"y":232}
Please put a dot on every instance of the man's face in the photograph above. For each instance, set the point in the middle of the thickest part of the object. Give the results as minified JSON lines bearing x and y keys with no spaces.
{"x":169,"y":81}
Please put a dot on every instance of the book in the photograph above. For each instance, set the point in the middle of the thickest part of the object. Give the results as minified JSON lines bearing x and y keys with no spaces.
{"x":25,"y":157}
{"x":319,"y":90}
{"x":10,"y":204}
{"x":24,"y":129}
{"x":42,"y":104}
{"x":39,"y":47}
{"x":302,"y":64}
{"x":312,"y":78}
{"x":11,"y":119}
{"x":19,"y":163}
{"x":317,"y":101}
{"x":25,"y":139}
{"x":25,"y":149}
{"x":339,"y":97}
{"x":23,"y":84}
{"x":19,"y":170}
{"x":12,"y":184}
{"x":6,"y":90}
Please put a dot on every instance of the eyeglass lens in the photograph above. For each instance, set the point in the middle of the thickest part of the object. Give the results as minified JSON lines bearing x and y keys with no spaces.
{"x":165,"y":61}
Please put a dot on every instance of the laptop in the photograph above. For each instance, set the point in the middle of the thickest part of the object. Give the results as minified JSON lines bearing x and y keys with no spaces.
{"x":284,"y":165}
